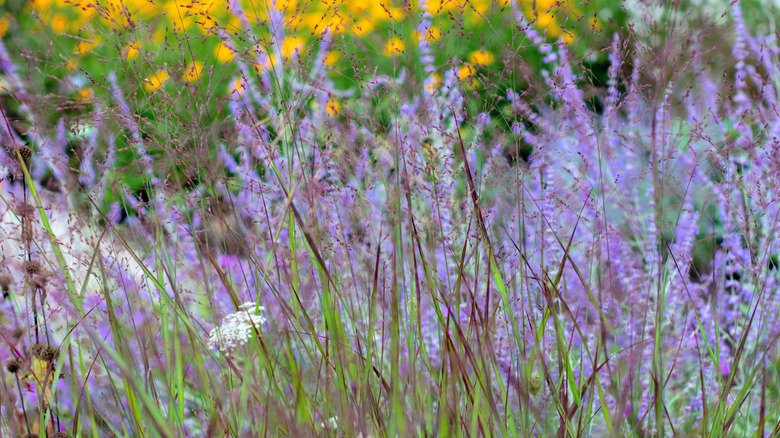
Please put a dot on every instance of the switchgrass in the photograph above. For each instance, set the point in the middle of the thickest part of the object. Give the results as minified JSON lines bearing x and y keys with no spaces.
{"x":390,"y":226}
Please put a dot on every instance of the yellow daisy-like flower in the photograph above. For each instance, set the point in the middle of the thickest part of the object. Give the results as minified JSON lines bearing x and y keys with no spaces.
{"x":465,"y":71}
{"x":568,"y":37}
{"x":83,"y":47}
{"x":72,"y":65}
{"x":394,"y":47}
{"x":332,"y":58}
{"x":132,"y":50}
{"x":481,"y":57}
{"x":290,"y":45}
{"x":545,"y":20}
{"x":87,"y":95}
{"x":363,"y":27}
{"x":433,"y":34}
{"x":333,"y":107}
{"x":394,"y":13}
{"x":334,"y":26}
{"x":155,"y":81}
{"x":238,"y":86}
{"x":59,"y":23}
{"x":5,"y":23}
{"x":193,"y":71}
{"x":440,"y":6}
{"x":433,"y":83}
{"x":223,"y":53}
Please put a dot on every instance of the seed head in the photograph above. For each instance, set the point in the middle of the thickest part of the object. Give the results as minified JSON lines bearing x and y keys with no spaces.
{"x":30,"y":435}
{"x":50,"y":353}
{"x":5,"y":282}
{"x":13,"y":366}
{"x":60,"y":434}
{"x":25,"y":210}
{"x":37,"y":349}
{"x":25,"y":152}
{"x":17,"y":333}
{"x":31,"y":267}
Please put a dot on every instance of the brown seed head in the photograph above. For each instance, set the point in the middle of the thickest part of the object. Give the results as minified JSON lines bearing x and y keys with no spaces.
{"x":5,"y":282}
{"x":49,"y":354}
{"x":31,"y":267}
{"x":25,"y":210}
{"x":13,"y":366}
{"x":17,"y":333}
{"x":37,"y":349}
{"x":25,"y":152}
{"x":60,"y":434}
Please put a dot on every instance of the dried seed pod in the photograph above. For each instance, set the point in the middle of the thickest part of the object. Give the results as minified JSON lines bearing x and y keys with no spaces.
{"x":13,"y":365}
{"x":37,"y":349}
{"x":49,"y":354}
{"x":26,"y":154}
{"x":17,"y":333}
{"x":31,"y":267}
{"x":25,"y":210}
{"x":60,"y":434}
{"x":5,"y":282}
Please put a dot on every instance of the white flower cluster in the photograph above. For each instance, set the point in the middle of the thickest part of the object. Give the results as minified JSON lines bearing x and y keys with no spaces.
{"x":236,"y":328}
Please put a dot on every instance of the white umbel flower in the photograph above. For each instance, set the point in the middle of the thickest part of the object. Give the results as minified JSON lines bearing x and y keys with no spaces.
{"x":332,"y":423}
{"x":237,"y":328}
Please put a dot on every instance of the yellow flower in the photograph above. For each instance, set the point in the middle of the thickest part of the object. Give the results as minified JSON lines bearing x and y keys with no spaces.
{"x":180,"y":15}
{"x":433,"y":34}
{"x":131,"y":51}
{"x":192,"y":72}
{"x":394,"y":13}
{"x":59,"y":23}
{"x":465,"y":72}
{"x":333,"y":107}
{"x":223,"y":53}
{"x":433,"y":83}
{"x":335,"y":26}
{"x":159,"y":35}
{"x":238,"y":86}
{"x":156,"y":80}
{"x":394,"y":47}
{"x":568,"y":37}
{"x":545,"y":20}
{"x":290,"y":45}
{"x":42,"y":5}
{"x":363,"y":27}
{"x":595,"y":23}
{"x":481,"y":57}
{"x":87,"y":95}
{"x":4,"y":24}
{"x":84,"y":46}
{"x":544,"y":5}
{"x":72,"y":65}
{"x":440,"y":6}
{"x":332,"y":58}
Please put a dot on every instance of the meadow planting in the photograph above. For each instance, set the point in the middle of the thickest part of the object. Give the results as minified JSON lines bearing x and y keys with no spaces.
{"x":378,"y":218}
